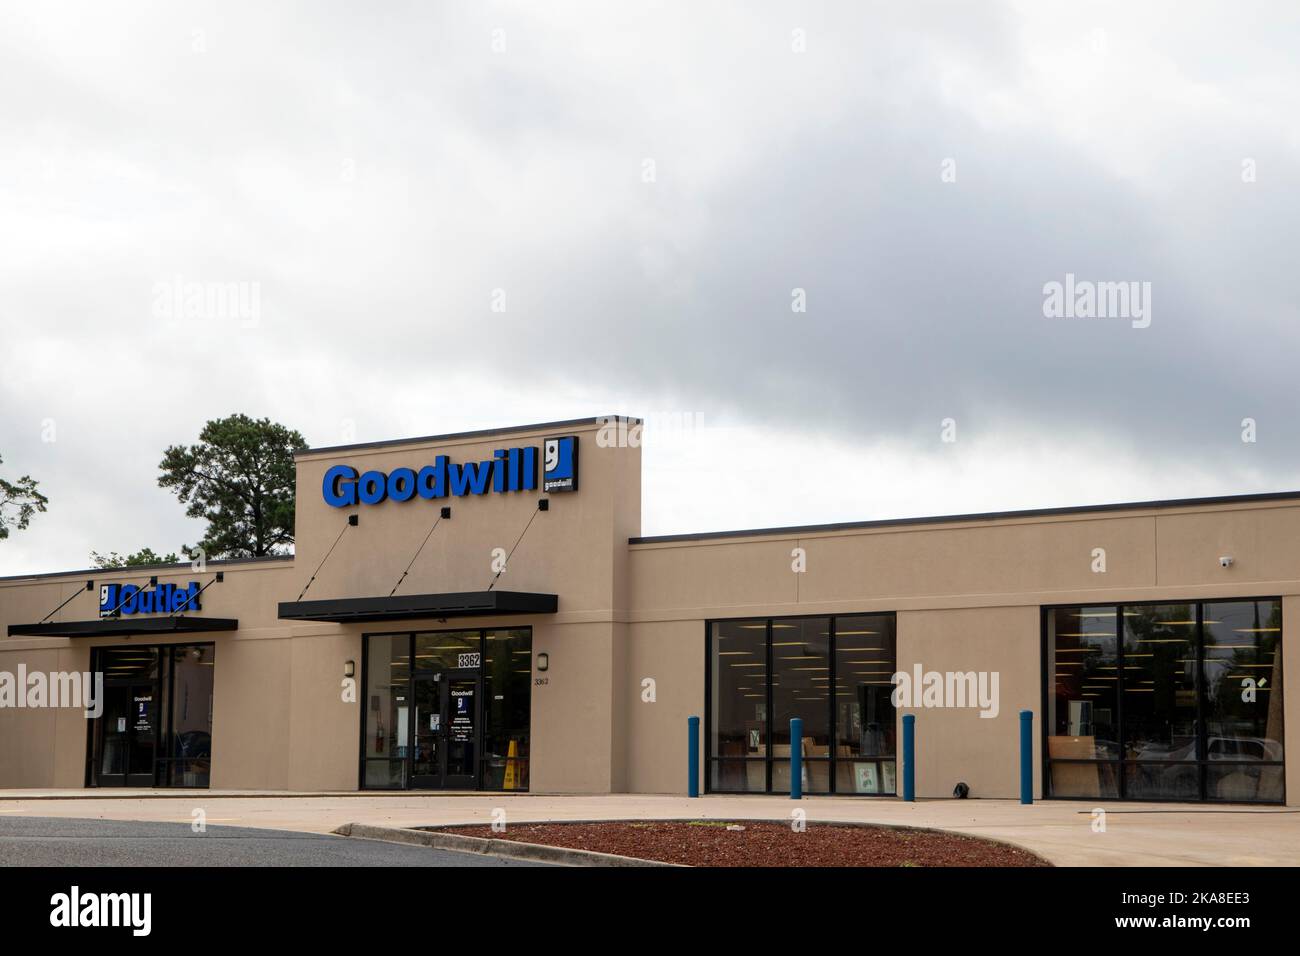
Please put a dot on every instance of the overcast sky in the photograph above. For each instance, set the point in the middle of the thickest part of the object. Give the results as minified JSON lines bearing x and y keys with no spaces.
{"x":643,"y":188}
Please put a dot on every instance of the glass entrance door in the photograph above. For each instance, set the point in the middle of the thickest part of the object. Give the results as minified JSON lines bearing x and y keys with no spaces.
{"x":128,"y":735}
{"x":156,"y":727}
{"x":428,"y":749}
{"x":445,"y":733}
{"x":446,"y":710}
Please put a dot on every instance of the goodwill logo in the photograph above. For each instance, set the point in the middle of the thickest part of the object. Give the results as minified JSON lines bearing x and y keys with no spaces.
{"x":509,"y":469}
{"x":926,"y":689}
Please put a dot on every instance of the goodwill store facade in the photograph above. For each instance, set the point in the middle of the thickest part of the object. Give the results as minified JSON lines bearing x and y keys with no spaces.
{"x":392,"y":651}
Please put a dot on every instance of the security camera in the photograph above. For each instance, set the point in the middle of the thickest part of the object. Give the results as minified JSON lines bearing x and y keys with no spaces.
{"x":1225,"y":561}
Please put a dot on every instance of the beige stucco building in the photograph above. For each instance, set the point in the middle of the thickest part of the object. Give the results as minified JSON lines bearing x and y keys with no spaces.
{"x":1146,"y":639}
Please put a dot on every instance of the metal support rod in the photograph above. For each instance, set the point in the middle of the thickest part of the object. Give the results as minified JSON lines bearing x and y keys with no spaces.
{"x":90,"y":586}
{"x":352,"y":522}
{"x":541,"y":506}
{"x":417,"y":552}
{"x":185,"y":605}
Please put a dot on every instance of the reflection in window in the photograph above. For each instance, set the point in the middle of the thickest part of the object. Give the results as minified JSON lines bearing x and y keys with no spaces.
{"x":1188,"y":706}
{"x":388,"y":691}
{"x":1243,"y":700}
{"x":1160,"y":683}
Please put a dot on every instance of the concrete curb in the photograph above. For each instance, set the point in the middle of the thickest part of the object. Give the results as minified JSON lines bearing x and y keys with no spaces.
{"x":509,"y":849}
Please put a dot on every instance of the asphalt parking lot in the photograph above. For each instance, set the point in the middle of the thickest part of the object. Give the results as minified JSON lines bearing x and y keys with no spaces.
{"x":49,"y":841}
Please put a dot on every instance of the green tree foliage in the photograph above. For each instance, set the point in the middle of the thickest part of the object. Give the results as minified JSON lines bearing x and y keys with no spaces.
{"x":138,"y":560}
{"x":239,"y":476}
{"x":19,"y":501}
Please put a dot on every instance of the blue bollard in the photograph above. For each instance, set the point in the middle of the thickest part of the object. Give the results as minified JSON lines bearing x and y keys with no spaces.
{"x":909,"y":757}
{"x":693,"y":755}
{"x":796,"y":758}
{"x":1026,"y":756}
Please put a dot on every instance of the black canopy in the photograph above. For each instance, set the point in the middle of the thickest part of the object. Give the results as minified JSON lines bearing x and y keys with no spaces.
{"x":404,"y":607}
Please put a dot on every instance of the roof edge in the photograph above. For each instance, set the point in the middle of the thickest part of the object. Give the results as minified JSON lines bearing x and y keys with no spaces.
{"x":980,"y":516}
{"x":458,"y":436}
{"x":141,"y":568}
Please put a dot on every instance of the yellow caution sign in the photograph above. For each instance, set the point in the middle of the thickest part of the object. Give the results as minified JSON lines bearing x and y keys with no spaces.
{"x":512,"y":775}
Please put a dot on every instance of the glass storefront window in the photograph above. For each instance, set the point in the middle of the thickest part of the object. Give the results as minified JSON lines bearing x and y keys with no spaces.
{"x":387,"y":703}
{"x":508,"y":680}
{"x":1242,"y":673}
{"x":1186,"y":706}
{"x":446,"y":650}
{"x":135,"y":663}
{"x":738,"y":715}
{"x":832,"y":673}
{"x":190,"y":732}
{"x":802,"y":685}
{"x":1083,"y":705}
{"x":866,"y":655}
{"x":1159,"y":684}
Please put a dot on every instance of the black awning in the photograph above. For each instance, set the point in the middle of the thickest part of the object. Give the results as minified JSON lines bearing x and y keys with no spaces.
{"x":405,"y":607}
{"x":123,"y":627}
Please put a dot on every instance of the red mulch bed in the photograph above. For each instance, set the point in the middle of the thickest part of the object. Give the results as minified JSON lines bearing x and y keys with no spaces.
{"x":710,"y":843}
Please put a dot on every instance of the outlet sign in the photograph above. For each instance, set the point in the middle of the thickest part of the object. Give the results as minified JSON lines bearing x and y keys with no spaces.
{"x":508,"y":470}
{"x":163,"y":599}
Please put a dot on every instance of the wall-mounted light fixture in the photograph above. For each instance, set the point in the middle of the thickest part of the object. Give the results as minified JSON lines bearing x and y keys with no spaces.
{"x":350,"y":669}
{"x":543,"y":661}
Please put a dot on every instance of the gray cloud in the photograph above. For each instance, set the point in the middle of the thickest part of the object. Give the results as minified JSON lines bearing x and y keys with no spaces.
{"x":378,"y":174}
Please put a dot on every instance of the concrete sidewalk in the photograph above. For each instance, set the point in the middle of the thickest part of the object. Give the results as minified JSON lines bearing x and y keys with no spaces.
{"x":1060,"y":831}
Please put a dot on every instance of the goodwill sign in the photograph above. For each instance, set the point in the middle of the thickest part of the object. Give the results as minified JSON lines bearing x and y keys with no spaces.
{"x":509,"y":469}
